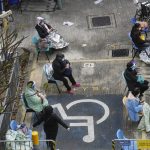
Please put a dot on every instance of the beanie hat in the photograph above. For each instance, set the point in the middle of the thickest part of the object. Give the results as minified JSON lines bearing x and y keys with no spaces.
{"x":48,"y":110}
{"x":131,"y":64}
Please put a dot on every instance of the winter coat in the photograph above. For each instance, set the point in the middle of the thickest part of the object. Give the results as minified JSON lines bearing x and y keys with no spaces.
{"x":50,"y":125}
{"x":42,"y":31}
{"x":131,"y":79}
{"x":59,"y":67}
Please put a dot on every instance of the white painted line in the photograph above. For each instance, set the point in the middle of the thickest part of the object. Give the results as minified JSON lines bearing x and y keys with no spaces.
{"x":106,"y":109}
{"x":88,"y":65}
{"x":90,"y":121}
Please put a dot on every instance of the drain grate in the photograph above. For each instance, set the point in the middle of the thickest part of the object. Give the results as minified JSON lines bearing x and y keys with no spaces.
{"x":120,"y":52}
{"x":101,"y":21}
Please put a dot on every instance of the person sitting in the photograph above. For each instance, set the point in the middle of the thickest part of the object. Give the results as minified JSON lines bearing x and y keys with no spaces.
{"x":62,"y":69}
{"x":138,"y":38}
{"x":133,"y":105}
{"x":137,"y":107}
{"x":133,"y":79}
{"x":35,"y":100}
{"x":43,"y":28}
{"x":46,"y":31}
{"x":51,"y":122}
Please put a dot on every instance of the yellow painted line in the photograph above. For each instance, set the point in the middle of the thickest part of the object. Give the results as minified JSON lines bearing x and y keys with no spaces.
{"x":93,"y":60}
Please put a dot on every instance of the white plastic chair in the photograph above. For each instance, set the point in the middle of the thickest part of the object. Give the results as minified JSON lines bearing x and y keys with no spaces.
{"x":48,"y":71}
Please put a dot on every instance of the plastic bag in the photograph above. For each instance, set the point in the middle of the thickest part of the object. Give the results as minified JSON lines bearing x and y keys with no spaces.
{"x":144,"y":57}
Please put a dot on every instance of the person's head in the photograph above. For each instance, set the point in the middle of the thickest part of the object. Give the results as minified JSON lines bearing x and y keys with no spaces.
{"x":40,"y":20}
{"x":135,"y":92}
{"x":31,"y":84}
{"x":131,"y":65}
{"x":137,"y":26}
{"x":60,"y":56}
{"x":48,"y":110}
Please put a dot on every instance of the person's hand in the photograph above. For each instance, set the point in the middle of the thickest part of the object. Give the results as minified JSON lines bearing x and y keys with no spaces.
{"x":68,"y":129}
{"x":67,"y":66}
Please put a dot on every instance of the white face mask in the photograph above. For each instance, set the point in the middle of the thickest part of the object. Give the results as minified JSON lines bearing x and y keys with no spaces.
{"x":133,"y":67}
{"x":63,"y":59}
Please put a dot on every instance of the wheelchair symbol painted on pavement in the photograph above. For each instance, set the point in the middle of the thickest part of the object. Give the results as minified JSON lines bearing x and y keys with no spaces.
{"x":90,"y":137}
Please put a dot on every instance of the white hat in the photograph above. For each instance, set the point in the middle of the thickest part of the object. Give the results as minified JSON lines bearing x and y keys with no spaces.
{"x":40,"y":18}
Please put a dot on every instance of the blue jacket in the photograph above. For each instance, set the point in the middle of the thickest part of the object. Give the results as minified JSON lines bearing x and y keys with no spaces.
{"x":133,"y":108}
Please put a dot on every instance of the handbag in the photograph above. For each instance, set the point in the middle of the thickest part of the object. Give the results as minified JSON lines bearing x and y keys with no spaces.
{"x":140,"y":79}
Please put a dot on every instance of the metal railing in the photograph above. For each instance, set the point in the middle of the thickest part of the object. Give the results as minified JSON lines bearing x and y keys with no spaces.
{"x":25,"y":145}
{"x":10,"y":95}
{"x":130,"y":144}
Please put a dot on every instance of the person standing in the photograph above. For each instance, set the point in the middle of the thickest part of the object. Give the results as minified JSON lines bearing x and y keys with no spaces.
{"x":62,"y":69}
{"x":51,"y":122}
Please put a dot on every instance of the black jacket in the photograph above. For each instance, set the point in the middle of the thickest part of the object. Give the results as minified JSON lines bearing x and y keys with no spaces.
{"x":42,"y":30}
{"x":131,"y":79}
{"x":59,"y":67}
{"x":50,"y":125}
{"x":135,"y":35}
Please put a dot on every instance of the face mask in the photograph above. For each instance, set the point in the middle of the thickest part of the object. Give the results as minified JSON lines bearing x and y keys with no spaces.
{"x":63,"y":59}
{"x":33,"y":86}
{"x":133,"y":67}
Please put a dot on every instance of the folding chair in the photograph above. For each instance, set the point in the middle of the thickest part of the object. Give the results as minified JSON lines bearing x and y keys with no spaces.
{"x":28,"y":109}
{"x":35,"y":41}
{"x":13,"y":125}
{"x":48,"y":71}
{"x":135,"y":49}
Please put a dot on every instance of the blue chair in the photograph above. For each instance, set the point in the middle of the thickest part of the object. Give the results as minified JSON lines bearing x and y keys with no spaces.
{"x":126,"y":143}
{"x":13,"y":125}
{"x":120,"y":134}
{"x":35,"y":41}
{"x":135,"y":49}
{"x":133,"y":20}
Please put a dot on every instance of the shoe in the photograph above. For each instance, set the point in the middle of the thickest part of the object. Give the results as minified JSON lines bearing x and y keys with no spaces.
{"x":70,"y":92}
{"x":76,"y":85}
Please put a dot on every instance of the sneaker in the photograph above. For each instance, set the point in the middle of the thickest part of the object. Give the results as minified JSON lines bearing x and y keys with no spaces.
{"x":70,"y":92}
{"x":76,"y":85}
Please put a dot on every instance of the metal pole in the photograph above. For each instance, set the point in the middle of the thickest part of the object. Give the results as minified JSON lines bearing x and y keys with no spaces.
{"x":35,"y":139}
{"x":113,"y":144}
